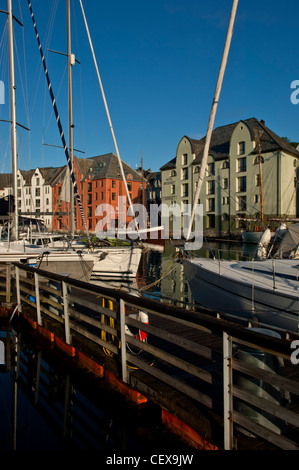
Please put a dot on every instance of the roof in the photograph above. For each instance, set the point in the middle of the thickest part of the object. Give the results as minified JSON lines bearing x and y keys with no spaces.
{"x":220,"y":142}
{"x":5,"y":180}
{"x":152,"y":176}
{"x":170,"y":165}
{"x":49,"y":174}
{"x":105,"y":166}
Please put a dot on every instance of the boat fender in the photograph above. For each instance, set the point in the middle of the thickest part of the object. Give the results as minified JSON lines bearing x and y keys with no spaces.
{"x":143,"y":318}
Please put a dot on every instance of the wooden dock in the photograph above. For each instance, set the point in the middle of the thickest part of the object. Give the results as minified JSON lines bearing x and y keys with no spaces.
{"x":219,"y":385}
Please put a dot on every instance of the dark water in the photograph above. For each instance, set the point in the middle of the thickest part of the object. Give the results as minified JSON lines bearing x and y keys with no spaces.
{"x":47,"y":404}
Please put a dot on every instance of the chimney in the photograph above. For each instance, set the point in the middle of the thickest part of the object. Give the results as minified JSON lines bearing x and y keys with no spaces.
{"x":262,"y":122}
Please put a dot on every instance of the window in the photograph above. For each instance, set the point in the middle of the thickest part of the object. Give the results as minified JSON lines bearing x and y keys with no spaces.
{"x":102,"y":196}
{"x":211,"y":169}
{"x":172,"y":189}
{"x":37,"y":191}
{"x":184,"y":173}
{"x":258,"y":159}
{"x":37,"y":182}
{"x":184,"y":190}
{"x":241,"y":184}
{"x":211,"y":187}
{"x":241,"y":164}
{"x":225,"y":183}
{"x":89,"y":199}
{"x":185,"y":159}
{"x":211,"y":204}
{"x":89,"y":187}
{"x":241,"y":148}
{"x":37,"y":203}
{"x":113,"y":196}
{"x":225,"y":200}
{"x":89,"y":211}
{"x":257,"y":179}
{"x":196,"y":169}
{"x":211,"y":221}
{"x":113,"y":184}
{"x":257,"y":198}
{"x":129,"y":186}
{"x":225,"y":165}
{"x":173,"y":173}
{"x":185,"y":207}
{"x":242,"y":205}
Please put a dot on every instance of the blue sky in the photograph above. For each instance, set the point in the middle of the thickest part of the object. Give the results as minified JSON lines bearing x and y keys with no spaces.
{"x":159,"y":62}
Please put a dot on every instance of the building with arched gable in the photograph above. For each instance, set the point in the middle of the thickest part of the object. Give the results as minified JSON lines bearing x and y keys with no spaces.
{"x":251,"y":173}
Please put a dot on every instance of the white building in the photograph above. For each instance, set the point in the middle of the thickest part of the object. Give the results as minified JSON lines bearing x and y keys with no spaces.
{"x":34,"y":197}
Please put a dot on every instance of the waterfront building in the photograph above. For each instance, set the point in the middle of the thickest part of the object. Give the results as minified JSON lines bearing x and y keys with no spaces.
{"x":100,"y":183}
{"x":34,"y":193}
{"x":153,"y":188}
{"x":251,"y":174}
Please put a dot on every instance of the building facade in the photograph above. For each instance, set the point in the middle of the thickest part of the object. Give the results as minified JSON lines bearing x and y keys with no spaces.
{"x":100,"y":186}
{"x":34,"y":193}
{"x":251,"y":174}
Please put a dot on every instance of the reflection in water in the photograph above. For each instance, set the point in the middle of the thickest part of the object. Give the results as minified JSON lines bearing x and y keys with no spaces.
{"x":46,"y":404}
{"x":162,"y":279}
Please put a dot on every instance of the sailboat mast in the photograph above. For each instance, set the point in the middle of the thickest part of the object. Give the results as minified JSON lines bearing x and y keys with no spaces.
{"x":70,"y":111}
{"x":213,"y":112}
{"x":13,"y":117}
{"x":108,"y":116}
{"x":72,"y":174}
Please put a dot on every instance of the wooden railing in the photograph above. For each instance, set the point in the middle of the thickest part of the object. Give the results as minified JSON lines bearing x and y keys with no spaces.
{"x":238,"y":373}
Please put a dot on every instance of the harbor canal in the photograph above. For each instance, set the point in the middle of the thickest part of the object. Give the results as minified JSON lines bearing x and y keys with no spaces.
{"x":48,"y":404}
{"x":188,"y":362}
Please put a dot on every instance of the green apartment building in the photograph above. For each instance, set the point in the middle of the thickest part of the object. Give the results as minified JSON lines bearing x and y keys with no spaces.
{"x":251,"y":174}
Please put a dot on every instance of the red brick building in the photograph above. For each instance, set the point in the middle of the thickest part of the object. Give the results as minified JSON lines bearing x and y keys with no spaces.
{"x":99,"y":181}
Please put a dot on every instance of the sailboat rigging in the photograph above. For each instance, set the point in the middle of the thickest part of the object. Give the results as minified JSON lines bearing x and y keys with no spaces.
{"x":69,"y":162}
{"x":213,"y":113}
{"x":108,"y":114}
{"x":128,"y":257}
{"x":266,"y":289}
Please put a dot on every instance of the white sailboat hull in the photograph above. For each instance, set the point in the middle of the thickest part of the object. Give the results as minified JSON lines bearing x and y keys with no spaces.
{"x":256,"y":237}
{"x":71,"y":264}
{"x":116,"y":262}
{"x":237,"y":289}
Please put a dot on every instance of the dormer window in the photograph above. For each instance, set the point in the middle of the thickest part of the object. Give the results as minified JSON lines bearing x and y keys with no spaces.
{"x":258,"y":159}
{"x":225,"y":164}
